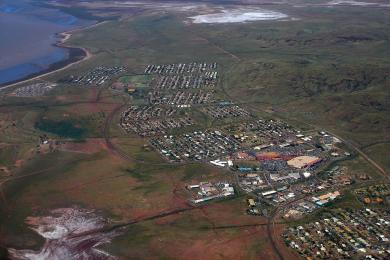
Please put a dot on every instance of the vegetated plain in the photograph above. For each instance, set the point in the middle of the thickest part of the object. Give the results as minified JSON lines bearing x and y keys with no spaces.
{"x":326,"y":69}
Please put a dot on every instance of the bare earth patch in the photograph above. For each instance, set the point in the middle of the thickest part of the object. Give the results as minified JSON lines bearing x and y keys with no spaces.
{"x":356,"y":3}
{"x":70,"y":233}
{"x":238,"y":15}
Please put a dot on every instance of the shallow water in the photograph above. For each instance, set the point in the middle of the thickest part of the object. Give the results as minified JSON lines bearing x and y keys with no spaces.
{"x":27,"y":35}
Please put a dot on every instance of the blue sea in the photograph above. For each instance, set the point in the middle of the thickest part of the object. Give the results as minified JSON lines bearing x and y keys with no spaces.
{"x":27,"y":38}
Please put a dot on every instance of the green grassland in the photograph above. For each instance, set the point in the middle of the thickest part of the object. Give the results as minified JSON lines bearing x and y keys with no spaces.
{"x":138,"y":81}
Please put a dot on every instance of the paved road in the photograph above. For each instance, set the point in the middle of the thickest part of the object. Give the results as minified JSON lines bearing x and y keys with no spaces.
{"x":363,"y":154}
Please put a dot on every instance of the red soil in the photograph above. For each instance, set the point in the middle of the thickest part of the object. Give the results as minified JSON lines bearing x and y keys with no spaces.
{"x":212,"y":246}
{"x":90,"y":146}
{"x":18,"y":163}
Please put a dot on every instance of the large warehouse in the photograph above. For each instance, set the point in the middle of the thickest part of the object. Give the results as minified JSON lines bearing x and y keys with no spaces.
{"x":303,"y":161}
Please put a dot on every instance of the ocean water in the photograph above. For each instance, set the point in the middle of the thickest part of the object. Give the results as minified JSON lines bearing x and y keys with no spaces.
{"x":27,"y":38}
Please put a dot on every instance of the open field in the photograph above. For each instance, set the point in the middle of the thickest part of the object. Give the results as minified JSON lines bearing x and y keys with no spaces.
{"x":326,"y":69}
{"x":380,"y":151}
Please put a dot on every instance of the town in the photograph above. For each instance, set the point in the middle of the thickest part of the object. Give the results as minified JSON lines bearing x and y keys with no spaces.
{"x":277,"y":165}
{"x":206,"y":191}
{"x":97,"y":76}
{"x":160,"y":129}
{"x":344,"y":234}
{"x":223,"y":110}
{"x":153,"y":120}
{"x":269,"y":157}
{"x":34,"y":90}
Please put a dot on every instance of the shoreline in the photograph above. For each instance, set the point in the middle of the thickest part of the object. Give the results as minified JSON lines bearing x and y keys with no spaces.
{"x":76,"y":56}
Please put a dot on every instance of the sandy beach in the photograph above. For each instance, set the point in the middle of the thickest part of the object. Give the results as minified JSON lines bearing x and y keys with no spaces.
{"x":62,"y":43}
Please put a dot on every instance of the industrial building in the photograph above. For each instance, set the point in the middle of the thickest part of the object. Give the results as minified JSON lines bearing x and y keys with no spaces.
{"x":301,"y":162}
